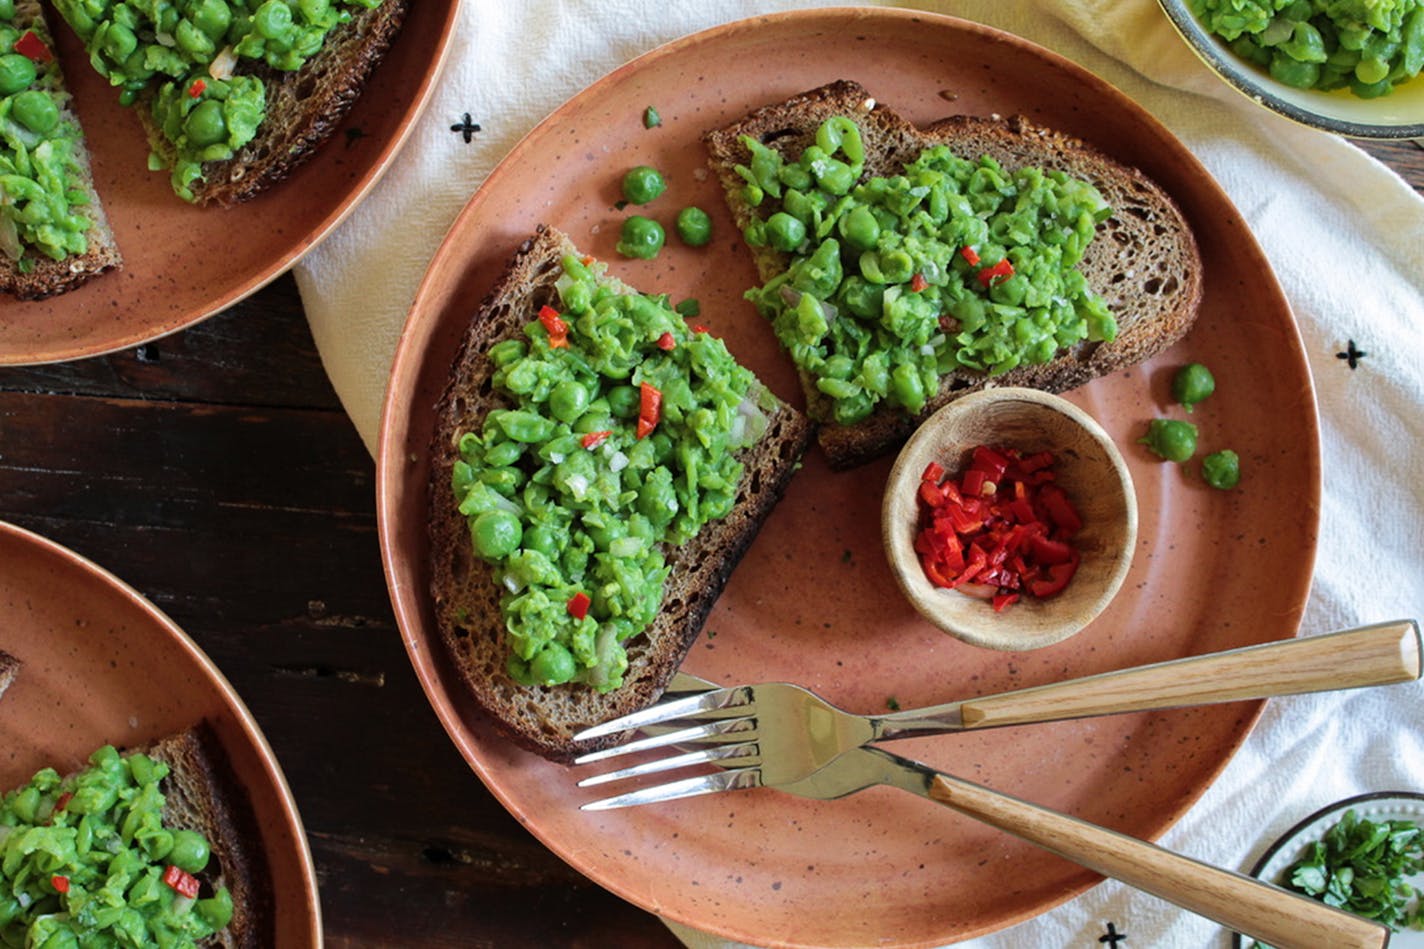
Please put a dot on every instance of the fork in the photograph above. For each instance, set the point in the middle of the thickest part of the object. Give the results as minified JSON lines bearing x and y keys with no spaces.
{"x":789,"y":732}
{"x":1265,"y":912}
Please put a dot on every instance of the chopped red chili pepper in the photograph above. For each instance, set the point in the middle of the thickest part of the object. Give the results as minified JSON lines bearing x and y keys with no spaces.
{"x":989,"y":275}
{"x":918,"y":283}
{"x":33,"y":48}
{"x":1000,"y":529}
{"x":60,"y":883}
{"x":586,"y":260}
{"x":650,"y":409}
{"x":593,"y":439}
{"x":970,"y":255}
{"x":181,"y":880}
{"x":558,"y":329}
{"x":578,"y":605}
{"x":197,"y":88}
{"x":699,"y":328}
{"x":666,"y":342}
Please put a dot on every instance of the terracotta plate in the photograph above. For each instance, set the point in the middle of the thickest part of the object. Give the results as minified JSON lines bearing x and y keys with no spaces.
{"x":813,"y":601}
{"x":183,"y":264}
{"x":103,"y":666}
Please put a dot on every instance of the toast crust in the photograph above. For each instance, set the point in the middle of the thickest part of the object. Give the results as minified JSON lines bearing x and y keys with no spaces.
{"x":49,"y":276}
{"x":466,"y":596}
{"x":1144,"y":261}
{"x":304,"y":108}
{"x":201,"y":793}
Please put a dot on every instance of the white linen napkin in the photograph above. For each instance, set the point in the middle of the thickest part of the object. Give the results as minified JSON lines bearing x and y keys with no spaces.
{"x":1344,"y":235}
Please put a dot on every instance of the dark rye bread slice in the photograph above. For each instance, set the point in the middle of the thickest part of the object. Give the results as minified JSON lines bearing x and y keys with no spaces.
{"x":303,"y":108}
{"x":9,"y":668}
{"x":47,"y":276}
{"x":201,"y":793}
{"x":1143,"y":261}
{"x":466,"y":595}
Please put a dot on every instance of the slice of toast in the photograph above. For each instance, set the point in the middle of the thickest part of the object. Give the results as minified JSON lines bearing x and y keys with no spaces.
{"x":303,"y":108}
{"x":1143,"y":261}
{"x":466,"y":596}
{"x":9,"y":668}
{"x":41,"y":275}
{"x":202,"y":794}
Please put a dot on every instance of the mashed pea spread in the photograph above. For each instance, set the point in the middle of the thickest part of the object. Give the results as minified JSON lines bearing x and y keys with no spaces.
{"x":86,"y":861}
{"x":1367,"y":46}
{"x":955,"y":264}
{"x":619,"y":440}
{"x":41,"y":196}
{"x":187,"y":53}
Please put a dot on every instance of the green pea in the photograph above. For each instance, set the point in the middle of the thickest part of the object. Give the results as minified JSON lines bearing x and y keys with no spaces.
{"x":7,"y":9}
{"x":205,"y":125}
{"x":624,"y":401}
{"x":1170,"y":439}
{"x":273,"y":20}
{"x":694,"y":226}
{"x":35,"y":110}
{"x":213,"y":17}
{"x":785,"y":232}
{"x":190,"y":851}
{"x":553,"y":665}
{"x":906,"y":387}
{"x":1192,"y":383}
{"x":503,"y":454}
{"x":497,"y":533}
{"x":216,"y":910}
{"x":643,"y":184}
{"x":860,"y":228}
{"x":568,"y":400}
{"x":1222,"y":469}
{"x":193,"y":41}
{"x":16,"y":72}
{"x":641,"y":237}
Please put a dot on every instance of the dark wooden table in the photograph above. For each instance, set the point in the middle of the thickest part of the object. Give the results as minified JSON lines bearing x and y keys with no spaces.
{"x":216,"y":472}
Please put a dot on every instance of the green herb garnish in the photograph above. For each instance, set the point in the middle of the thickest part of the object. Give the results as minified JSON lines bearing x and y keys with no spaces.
{"x":1363,"y":866}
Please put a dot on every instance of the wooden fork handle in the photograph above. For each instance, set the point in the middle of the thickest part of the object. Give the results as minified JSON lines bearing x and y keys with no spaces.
{"x":1381,"y":654}
{"x":1268,"y":913}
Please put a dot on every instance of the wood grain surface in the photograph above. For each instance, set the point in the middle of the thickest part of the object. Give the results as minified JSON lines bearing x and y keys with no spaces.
{"x":215,"y":471}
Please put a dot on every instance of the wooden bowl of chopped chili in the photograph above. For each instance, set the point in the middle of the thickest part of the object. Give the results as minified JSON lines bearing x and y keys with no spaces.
{"x":1009,"y":519}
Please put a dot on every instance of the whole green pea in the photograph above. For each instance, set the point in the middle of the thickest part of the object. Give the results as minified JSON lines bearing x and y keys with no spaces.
{"x":860,"y":228}
{"x":694,"y":226}
{"x":624,"y":401}
{"x":568,"y":400}
{"x":1192,"y":383}
{"x":7,"y":9}
{"x":1222,"y":469}
{"x":273,"y":20}
{"x":1170,"y":439}
{"x":785,"y":232}
{"x":205,"y":125}
{"x":190,"y":851}
{"x":641,"y":237}
{"x":496,"y":533}
{"x":16,"y":73}
{"x":35,"y":110}
{"x":213,"y":17}
{"x":643,"y":184}
{"x":553,"y":665}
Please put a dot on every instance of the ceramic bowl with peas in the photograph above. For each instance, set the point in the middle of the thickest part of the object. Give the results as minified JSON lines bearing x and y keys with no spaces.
{"x":1346,"y":66}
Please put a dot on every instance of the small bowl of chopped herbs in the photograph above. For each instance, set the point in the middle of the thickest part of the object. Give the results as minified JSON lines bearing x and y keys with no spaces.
{"x":1349,"y":66}
{"x":1009,"y":519}
{"x":1364,"y":854}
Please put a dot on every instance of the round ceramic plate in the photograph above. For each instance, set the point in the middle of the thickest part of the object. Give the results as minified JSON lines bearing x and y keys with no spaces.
{"x":1397,"y":115}
{"x":1377,"y":806}
{"x":183,"y":264}
{"x":813,"y":601}
{"x":101,"y":665}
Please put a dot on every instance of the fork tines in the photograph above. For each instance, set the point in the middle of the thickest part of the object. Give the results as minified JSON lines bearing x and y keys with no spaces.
{"x":669,"y":711}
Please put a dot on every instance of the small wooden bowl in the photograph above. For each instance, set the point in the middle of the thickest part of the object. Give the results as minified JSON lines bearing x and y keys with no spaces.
{"x":1089,"y":468}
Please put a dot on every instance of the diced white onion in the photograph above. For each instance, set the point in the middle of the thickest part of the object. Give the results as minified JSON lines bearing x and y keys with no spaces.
{"x":556,"y":457}
{"x":578,"y":486}
{"x":512,"y":583}
{"x":618,"y":462}
{"x":181,"y":904}
{"x":927,"y":350}
{"x":223,"y":64}
{"x":165,"y":39}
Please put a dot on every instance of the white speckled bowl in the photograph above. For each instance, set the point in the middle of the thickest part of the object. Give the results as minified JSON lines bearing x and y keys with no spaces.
{"x":1397,"y":115}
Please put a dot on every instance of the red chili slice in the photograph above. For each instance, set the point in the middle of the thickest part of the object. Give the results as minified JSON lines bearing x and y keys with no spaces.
{"x":60,"y":883}
{"x":578,"y":605}
{"x":593,"y":439}
{"x":918,"y":283}
{"x":1000,"y":271}
{"x":181,"y":881}
{"x":197,"y":88}
{"x":557,"y":328}
{"x":33,"y":48}
{"x":666,"y":342}
{"x":650,"y":409}
{"x":970,"y":255}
